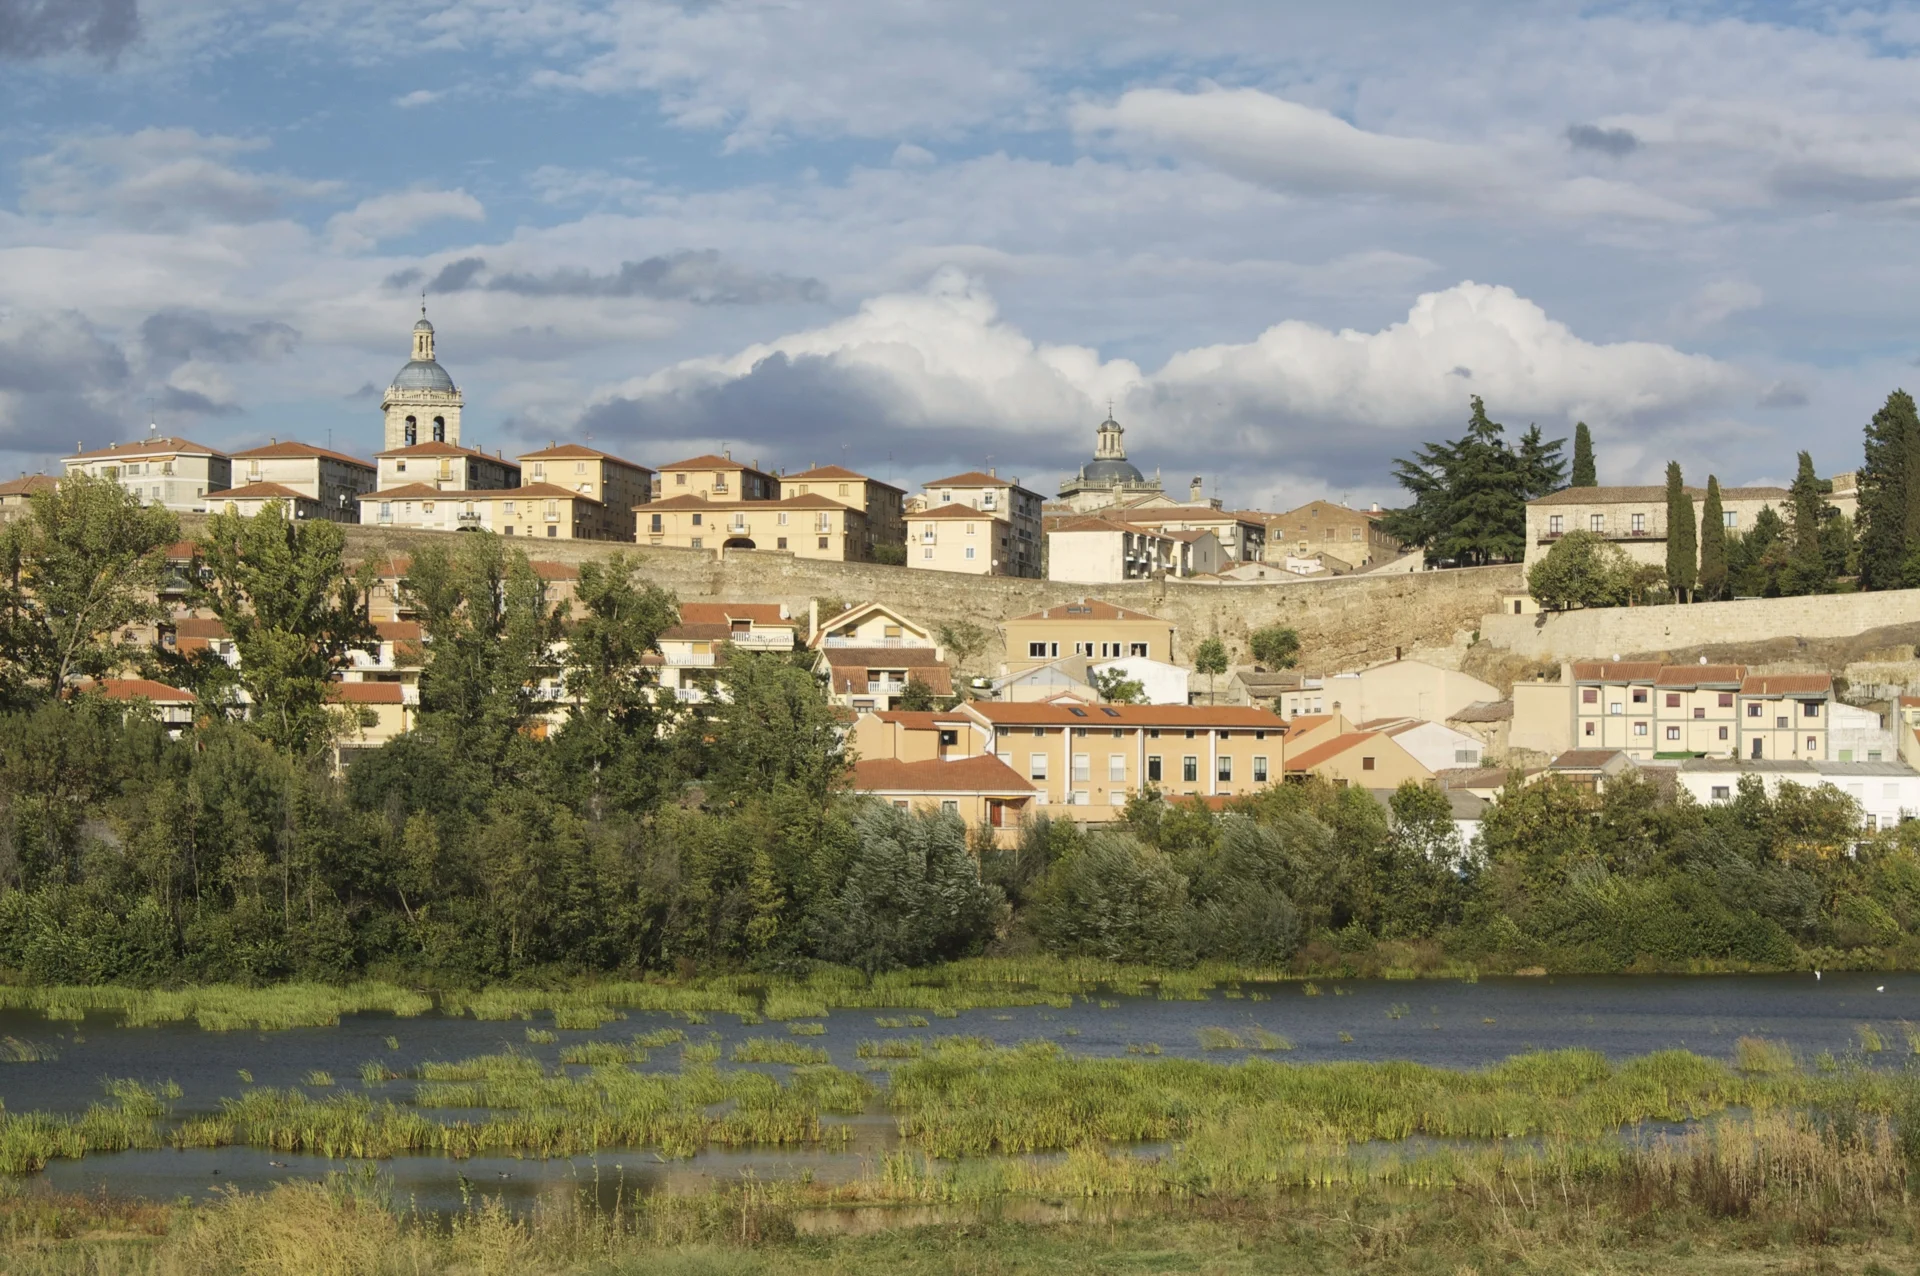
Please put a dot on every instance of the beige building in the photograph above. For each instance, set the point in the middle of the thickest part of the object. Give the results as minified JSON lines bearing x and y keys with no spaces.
{"x":929,"y":736}
{"x":866,"y":679}
{"x":250,"y":498}
{"x":1089,"y":759}
{"x":1648,"y":710}
{"x":1635,"y":518}
{"x":422,"y":404}
{"x":1357,"y":759}
{"x":1086,"y":628}
{"x":16,"y":493}
{"x":1784,"y":717}
{"x":883,"y":504}
{"x":173,"y":706}
{"x":377,"y":712}
{"x":164,"y":470}
{"x":804,"y":526}
{"x":716,"y":478}
{"x":333,"y":480}
{"x":1323,"y":528}
{"x":1242,"y":535}
{"x":984,"y":792}
{"x":870,"y":625}
{"x":617,"y":485}
{"x":693,"y":653}
{"x":1098,"y":551}
{"x":960,"y":538}
{"x":1391,"y":689}
{"x":445,"y":466}
{"x":1003,"y":498}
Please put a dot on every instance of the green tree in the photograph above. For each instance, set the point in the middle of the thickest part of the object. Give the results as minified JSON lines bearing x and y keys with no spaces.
{"x":1210,"y":658}
{"x":1757,"y":559}
{"x":774,"y":730}
{"x":1583,"y":569}
{"x":1115,"y":687}
{"x":909,"y":893}
{"x":1542,"y":467}
{"x":916,"y":696}
{"x":1889,"y":511}
{"x":610,"y":742}
{"x":1807,"y":571}
{"x":1470,"y":495}
{"x":1584,"y":473}
{"x":1275,"y":646}
{"x":966,"y":639}
{"x":1116,"y":899}
{"x":282,"y":589}
{"x":1683,"y":550}
{"x":87,"y":561}
{"x":1713,"y":543}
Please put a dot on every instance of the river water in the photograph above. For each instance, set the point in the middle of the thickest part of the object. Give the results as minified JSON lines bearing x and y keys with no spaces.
{"x":1446,"y":1023}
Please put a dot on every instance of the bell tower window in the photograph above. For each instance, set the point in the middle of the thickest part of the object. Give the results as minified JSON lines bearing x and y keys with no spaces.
{"x":439,"y":429}
{"x":413,"y":432}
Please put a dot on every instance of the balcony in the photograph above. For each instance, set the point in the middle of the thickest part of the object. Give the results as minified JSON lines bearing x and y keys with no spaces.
{"x":887,"y":688}
{"x":466,"y":519}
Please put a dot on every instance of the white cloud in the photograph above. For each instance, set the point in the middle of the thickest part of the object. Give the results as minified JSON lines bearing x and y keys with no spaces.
{"x":158,"y":178}
{"x":1714,"y":302}
{"x":1301,"y":149}
{"x":386,"y":216}
{"x":419,"y":97}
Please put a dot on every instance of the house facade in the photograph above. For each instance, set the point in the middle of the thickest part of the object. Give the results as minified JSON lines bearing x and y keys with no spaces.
{"x":1099,"y":551}
{"x":165,"y":470}
{"x":1323,"y":527}
{"x":960,"y":538}
{"x":1090,"y":628}
{"x":1635,"y":518}
{"x":334,"y":481}
{"x":250,"y":498}
{"x":804,"y":526}
{"x":716,"y":478}
{"x":983,"y":792}
{"x":1004,"y":498}
{"x":616,"y":485}
{"x":882,"y":505}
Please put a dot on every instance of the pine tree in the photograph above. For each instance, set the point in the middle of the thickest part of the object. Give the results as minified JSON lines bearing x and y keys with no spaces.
{"x":1713,"y":543}
{"x":1889,"y":517}
{"x":1807,"y":561}
{"x":1683,"y":561}
{"x":1470,"y":496}
{"x":1583,"y":471}
{"x":1542,"y":468}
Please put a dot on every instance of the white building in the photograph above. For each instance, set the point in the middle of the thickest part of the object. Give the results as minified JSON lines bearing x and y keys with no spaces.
{"x":333,"y":481}
{"x":1888,"y":793}
{"x":1859,"y":735}
{"x":1435,"y":745}
{"x":162,"y":470}
{"x":1160,"y":682}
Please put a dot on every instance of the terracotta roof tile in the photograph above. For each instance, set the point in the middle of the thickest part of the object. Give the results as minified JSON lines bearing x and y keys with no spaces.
{"x":1088,"y":609}
{"x":1788,"y":684}
{"x":296,"y":451}
{"x":165,"y":444}
{"x":988,"y":775}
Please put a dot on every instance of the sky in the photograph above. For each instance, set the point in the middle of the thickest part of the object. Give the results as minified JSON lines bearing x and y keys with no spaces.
{"x":1286,"y":242}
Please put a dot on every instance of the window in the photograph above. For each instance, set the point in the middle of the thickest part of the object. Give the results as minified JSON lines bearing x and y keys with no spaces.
{"x":680,"y":480}
{"x":553,"y":509}
{"x":1082,"y":771}
{"x":1640,"y":524}
{"x":1616,"y":708}
{"x":1190,"y":768}
{"x":782,"y":519}
{"x":1116,"y":768}
{"x":969,"y":553}
{"x":508,"y":531}
{"x":823,"y":542}
{"x":1639,"y":695}
{"x":1673,"y":733}
{"x":655,"y":525}
{"x":1366,"y":764}
{"x":509,"y":505}
{"x":1223,"y":770}
{"x":698,"y":542}
{"x":1556,"y":524}
{"x":426,"y":507}
{"x":1639,"y":728}
{"x":1588,"y":695}
{"x":553,"y":530}
{"x":1673,"y":699}
{"x":1597,"y":522}
{"x":1037,"y":650}
{"x":1726,"y":699}
{"x":1153,"y":768}
{"x":1259,"y":769}
{"x":696,"y":520}
{"x":1812,"y":744}
{"x":1732,"y":518}
{"x":1753,"y":709}
{"x":927,"y":553}
{"x":539,"y":470}
{"x":1721,"y":792}
{"x":1723,"y":733}
{"x":969,"y":529}
{"x":781,"y":543}
{"x":1137,"y":649}
{"x":1589,"y":729}
{"x":1811,"y":709}
{"x":1782,"y":723}
{"x":950,"y":806}
{"x":1036,"y":766}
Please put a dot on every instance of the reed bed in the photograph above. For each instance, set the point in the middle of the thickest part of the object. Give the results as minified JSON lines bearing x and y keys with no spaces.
{"x":776,"y":1050}
{"x":807,"y":1029}
{"x":219,"y":1007}
{"x":14,"y":1050}
{"x":1758,"y":1055}
{"x":131,"y":1120}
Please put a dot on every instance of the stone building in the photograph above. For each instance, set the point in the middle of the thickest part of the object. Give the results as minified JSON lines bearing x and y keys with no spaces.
{"x":1109,"y":478}
{"x":422,"y":404}
{"x":1635,"y":518}
{"x":1322,"y":527}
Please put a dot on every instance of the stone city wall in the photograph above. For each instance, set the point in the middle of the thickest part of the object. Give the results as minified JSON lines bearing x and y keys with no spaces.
{"x":1344,"y":622}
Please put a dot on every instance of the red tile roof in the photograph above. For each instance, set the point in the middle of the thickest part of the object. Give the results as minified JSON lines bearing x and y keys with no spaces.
{"x":1702,"y":675}
{"x":398,"y":630}
{"x":959,"y":512}
{"x":576,"y":452}
{"x":1312,"y":757}
{"x":1622,"y":671}
{"x":984,"y":774}
{"x":1584,"y":759}
{"x":708,"y":462}
{"x":140,"y":689}
{"x":972,"y":478}
{"x":445,"y":449}
{"x":827,"y":472}
{"x":1788,"y":684}
{"x":296,"y":451}
{"x":200,"y":627}
{"x":1178,"y":717}
{"x":1656,"y":495}
{"x":260,"y":492}
{"x":915,"y":720}
{"x":164,"y":445}
{"x":1088,"y":609}
{"x":366,"y":693}
{"x":721,"y":613}
{"x":28,"y":484}
{"x":407,"y":492}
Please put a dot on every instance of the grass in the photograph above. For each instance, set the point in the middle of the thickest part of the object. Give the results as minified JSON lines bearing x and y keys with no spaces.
{"x":807,"y":1029}
{"x":1870,"y":1039}
{"x":1760,"y":1056}
{"x":1220,"y":1039}
{"x":541,"y":1037}
{"x":774,"y":1050}
{"x":14,"y":1050}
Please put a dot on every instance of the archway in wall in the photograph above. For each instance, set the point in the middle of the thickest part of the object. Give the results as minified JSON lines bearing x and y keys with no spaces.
{"x":738,"y":542}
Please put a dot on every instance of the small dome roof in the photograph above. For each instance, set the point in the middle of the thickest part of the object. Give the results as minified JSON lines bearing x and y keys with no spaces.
{"x":423,"y":325}
{"x":1112,"y":471}
{"x":423,"y":374}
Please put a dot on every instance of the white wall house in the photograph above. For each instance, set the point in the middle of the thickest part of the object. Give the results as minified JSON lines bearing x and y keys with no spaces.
{"x":1162,"y":683}
{"x":1435,"y":745}
{"x":1888,"y":792}
{"x":1858,"y":735}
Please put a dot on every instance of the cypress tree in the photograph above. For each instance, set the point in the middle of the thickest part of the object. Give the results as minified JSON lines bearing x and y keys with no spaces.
{"x":1713,"y":543}
{"x":1807,"y":562}
{"x":1889,"y":517}
{"x":1584,"y":474}
{"x":1683,"y":561}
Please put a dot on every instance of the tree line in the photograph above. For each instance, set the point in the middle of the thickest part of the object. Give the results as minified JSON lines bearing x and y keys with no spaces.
{"x":498,"y":840}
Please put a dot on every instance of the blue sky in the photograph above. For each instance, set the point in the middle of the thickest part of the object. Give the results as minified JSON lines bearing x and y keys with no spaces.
{"x":1287,"y":241}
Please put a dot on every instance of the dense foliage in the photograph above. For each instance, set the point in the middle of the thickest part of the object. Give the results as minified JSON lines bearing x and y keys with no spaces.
{"x":1470,"y":495}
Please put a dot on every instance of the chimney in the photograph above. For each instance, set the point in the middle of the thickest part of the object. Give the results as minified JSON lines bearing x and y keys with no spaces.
{"x":271,"y":440}
{"x":727,"y":452}
{"x":1196,"y":491}
{"x":992,"y":473}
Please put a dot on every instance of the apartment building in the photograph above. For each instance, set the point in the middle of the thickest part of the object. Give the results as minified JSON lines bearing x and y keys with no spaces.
{"x":1784,"y":717}
{"x":1887,"y":793}
{"x":866,"y":679}
{"x":984,"y":792}
{"x":1323,"y":527}
{"x":870,"y":625}
{"x":444,"y":467}
{"x":1635,"y":518}
{"x":1004,"y":498}
{"x":921,"y":736}
{"x":1090,"y":759}
{"x":16,"y":493}
{"x":250,"y":498}
{"x":164,"y":470}
{"x":693,"y":653}
{"x":1098,"y":551}
{"x":960,"y":538}
{"x":804,"y":526}
{"x":883,"y":504}
{"x":1242,"y":534}
{"x":333,"y":481}
{"x":173,"y":706}
{"x":1086,"y":628}
{"x":716,"y":478}
{"x":617,"y":485}
{"x":1648,"y":710}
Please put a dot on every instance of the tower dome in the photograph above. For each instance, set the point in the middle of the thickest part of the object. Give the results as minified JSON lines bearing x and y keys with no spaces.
{"x":1109,"y":477}
{"x":422,"y":404}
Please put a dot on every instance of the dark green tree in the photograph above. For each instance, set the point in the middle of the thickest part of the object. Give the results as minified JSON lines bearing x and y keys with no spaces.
{"x":282,"y":589}
{"x":1275,"y":646}
{"x":1469,"y":495}
{"x":1210,"y":658}
{"x":916,"y":696}
{"x":1889,"y":511}
{"x":1584,"y":474}
{"x":608,"y":750}
{"x":1807,"y":571}
{"x":774,"y":730}
{"x":1757,"y":559}
{"x":1583,"y":570}
{"x":909,"y":893}
{"x":1542,"y":467}
{"x":1683,"y":550}
{"x":1713,"y":543}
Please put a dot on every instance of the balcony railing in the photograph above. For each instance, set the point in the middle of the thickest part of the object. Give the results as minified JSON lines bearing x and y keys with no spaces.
{"x":467,"y":518}
{"x":886,"y":688}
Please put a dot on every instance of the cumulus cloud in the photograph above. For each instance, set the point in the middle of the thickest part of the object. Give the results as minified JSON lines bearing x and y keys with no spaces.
{"x":41,"y":28}
{"x":172,"y":337}
{"x":1716,"y":301}
{"x":938,"y":375}
{"x":60,"y":379}
{"x":158,"y":179}
{"x":703,"y":278}
{"x":1302,"y":149}
{"x":419,"y":97}
{"x":383,"y":217}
